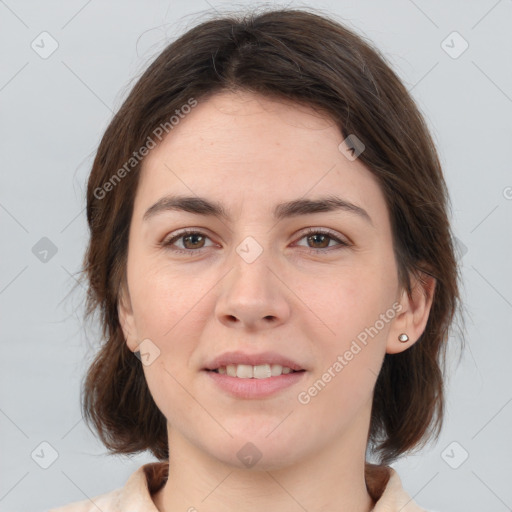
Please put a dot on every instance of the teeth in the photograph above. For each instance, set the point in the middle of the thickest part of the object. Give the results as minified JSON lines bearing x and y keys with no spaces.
{"x":247,"y":371}
{"x":261,"y":371}
{"x":276,"y":370}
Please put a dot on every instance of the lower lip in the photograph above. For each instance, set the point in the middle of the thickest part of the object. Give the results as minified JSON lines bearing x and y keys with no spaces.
{"x":254,"y":388}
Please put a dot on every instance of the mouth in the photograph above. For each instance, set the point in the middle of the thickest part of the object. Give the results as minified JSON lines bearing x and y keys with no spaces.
{"x":253,"y":376}
{"x":260,"y":371}
{"x":244,"y":384}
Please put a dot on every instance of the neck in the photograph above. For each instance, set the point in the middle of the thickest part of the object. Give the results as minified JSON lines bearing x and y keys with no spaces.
{"x":330,"y":479}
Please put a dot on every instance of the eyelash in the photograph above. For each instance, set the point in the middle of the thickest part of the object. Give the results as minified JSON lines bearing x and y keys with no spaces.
{"x":311,"y":231}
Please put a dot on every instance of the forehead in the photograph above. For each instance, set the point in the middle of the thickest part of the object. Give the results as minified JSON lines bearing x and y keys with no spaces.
{"x":240,"y":125}
{"x":239,"y":147}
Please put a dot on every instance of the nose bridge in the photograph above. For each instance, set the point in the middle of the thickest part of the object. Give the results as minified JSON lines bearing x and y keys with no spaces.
{"x":251,"y":294}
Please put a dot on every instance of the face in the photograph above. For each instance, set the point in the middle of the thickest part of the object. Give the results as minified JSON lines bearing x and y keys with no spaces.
{"x":315,"y":286}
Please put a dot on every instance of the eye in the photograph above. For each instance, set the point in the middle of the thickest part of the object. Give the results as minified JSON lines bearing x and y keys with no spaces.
{"x":192,"y":241}
{"x":322,"y":239}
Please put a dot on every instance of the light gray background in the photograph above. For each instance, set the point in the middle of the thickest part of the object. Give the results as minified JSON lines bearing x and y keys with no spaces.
{"x":53,"y":113}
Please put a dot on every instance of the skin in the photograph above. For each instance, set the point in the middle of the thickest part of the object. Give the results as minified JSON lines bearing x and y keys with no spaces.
{"x":251,"y":152}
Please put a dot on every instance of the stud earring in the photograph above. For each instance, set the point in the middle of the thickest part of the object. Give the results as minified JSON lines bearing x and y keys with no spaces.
{"x":403,"y":338}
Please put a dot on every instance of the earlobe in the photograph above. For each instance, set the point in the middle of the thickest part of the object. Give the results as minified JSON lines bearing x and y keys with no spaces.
{"x":410,"y":323}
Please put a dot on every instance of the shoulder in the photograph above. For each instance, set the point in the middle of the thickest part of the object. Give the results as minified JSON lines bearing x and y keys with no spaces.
{"x":135,"y":495}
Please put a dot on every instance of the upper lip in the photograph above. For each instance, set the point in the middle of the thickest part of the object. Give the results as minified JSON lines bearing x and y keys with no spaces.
{"x":238,"y":357}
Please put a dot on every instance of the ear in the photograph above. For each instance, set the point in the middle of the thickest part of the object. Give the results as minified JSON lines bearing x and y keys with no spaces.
{"x":413,"y":316}
{"x":126,"y":319}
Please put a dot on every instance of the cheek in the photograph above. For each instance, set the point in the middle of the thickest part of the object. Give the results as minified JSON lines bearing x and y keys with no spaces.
{"x":348,"y":361}
{"x":356,"y":312}
{"x":163,"y":299}
{"x":352,"y":301}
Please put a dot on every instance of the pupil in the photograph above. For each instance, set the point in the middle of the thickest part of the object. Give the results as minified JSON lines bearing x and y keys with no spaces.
{"x":188,"y":237}
{"x":312,"y":237}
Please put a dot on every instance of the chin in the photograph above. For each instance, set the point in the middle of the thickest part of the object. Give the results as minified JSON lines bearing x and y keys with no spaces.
{"x":257,"y":452}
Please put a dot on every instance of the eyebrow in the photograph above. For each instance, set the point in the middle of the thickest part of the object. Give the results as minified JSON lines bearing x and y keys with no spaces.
{"x":202,"y":206}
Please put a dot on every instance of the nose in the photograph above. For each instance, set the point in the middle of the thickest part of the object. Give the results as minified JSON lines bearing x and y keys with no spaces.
{"x":253,"y":295}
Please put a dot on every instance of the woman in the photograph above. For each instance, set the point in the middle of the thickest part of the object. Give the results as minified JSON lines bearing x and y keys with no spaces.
{"x":271,"y":255}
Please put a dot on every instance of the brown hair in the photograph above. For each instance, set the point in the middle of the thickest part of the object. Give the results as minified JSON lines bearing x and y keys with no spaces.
{"x":313,"y":60}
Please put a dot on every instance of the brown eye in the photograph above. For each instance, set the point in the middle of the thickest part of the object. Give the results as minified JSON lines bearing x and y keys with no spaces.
{"x":318,"y":240}
{"x":191,"y":241}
